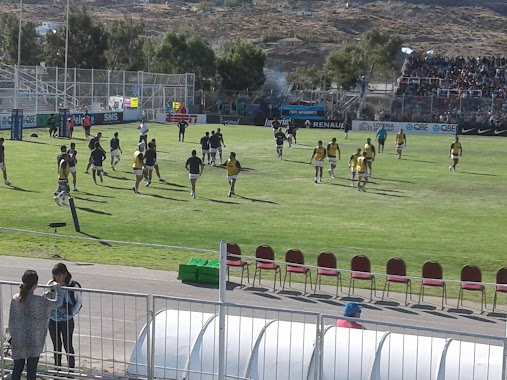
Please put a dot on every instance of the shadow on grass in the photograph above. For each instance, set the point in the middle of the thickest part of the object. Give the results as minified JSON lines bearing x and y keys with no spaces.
{"x":162,"y":197}
{"x":94,"y":195}
{"x":120,"y":178}
{"x":482,"y":174}
{"x":244,"y":169}
{"x":393,"y":180}
{"x":88,"y":200}
{"x":92,"y":211}
{"x":97,"y":238}
{"x":176,"y":185}
{"x":256,"y":200}
{"x":385,"y":194}
{"x":297,"y":162}
{"x":168,"y":189}
{"x":220,"y":201}
{"x":35,"y":142}
{"x":423,"y":161}
{"x":117,"y":188}
{"x":16,"y":188}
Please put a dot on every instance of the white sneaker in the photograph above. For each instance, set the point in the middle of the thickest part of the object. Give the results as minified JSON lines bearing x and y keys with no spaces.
{"x":193,"y":195}
{"x":148,"y":183}
{"x":229,"y":194}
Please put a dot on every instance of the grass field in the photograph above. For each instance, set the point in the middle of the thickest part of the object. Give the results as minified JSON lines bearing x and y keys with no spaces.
{"x":414,"y":208}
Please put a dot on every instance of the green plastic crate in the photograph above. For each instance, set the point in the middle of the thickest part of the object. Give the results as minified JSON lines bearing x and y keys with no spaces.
{"x":213,"y":264}
{"x":197,"y":262}
{"x":207,"y":278}
{"x":188,"y":272}
{"x":187,"y":276}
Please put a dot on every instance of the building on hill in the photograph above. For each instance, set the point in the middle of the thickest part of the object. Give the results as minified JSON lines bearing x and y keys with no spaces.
{"x":47,"y":26}
{"x":290,"y":42}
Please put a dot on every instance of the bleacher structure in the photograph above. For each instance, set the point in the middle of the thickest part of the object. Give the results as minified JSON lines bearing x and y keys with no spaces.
{"x":44,"y":89}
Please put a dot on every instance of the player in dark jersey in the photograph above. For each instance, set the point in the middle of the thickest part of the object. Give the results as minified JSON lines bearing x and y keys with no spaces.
{"x":214,"y":145}
{"x":115,"y":150}
{"x":221,"y":138}
{"x":63,"y":150}
{"x":194,"y":166}
{"x":91,"y":146}
{"x":182,"y":126}
{"x":97,"y":156}
{"x":150,"y":158}
{"x":205,"y":147}
{"x":157,"y":169}
{"x":291,"y":132}
{"x":72,"y":160}
{"x":275,"y":125}
{"x":3,"y":168}
{"x":279,"y":138}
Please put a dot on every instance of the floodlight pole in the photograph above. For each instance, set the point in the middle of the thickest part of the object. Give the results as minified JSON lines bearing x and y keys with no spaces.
{"x":66,"y":56}
{"x":18,"y":63}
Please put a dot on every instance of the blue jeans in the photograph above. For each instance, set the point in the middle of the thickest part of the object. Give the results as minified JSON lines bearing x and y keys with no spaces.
{"x":31,"y":368}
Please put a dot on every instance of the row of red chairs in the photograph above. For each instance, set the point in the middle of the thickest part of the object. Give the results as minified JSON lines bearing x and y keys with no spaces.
{"x":360,"y":268}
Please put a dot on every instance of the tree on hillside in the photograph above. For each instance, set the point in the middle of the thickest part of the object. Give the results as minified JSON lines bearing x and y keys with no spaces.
{"x":178,"y":54}
{"x":30,"y":45}
{"x":87,"y":43}
{"x":375,"y":53}
{"x":242,"y":67}
{"x":309,"y":77}
{"x":125,"y":45}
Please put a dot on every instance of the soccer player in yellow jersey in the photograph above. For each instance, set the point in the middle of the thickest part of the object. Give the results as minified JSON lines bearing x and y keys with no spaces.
{"x":138,"y":166}
{"x":401,"y":142}
{"x":369,"y":150}
{"x":362,"y":171}
{"x":332,"y":148}
{"x":455,"y":152}
{"x":63,"y":180}
{"x":233,"y":168}
{"x":319,"y":155}
{"x":353,"y":165}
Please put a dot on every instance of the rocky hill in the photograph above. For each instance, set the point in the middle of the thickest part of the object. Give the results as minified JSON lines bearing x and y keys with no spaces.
{"x":454,"y":27}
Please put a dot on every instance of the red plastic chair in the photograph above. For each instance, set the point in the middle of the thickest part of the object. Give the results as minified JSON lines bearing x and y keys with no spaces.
{"x":501,"y":284}
{"x":432,"y":275}
{"x":236,"y":262}
{"x":361,"y":270}
{"x":326,"y":263}
{"x":396,"y":270}
{"x":264,"y":255}
{"x":295,"y":256}
{"x":471,"y":279}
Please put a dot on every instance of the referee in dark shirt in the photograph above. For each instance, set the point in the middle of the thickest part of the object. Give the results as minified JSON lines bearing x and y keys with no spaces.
{"x":194,"y":166}
{"x":150,"y":158}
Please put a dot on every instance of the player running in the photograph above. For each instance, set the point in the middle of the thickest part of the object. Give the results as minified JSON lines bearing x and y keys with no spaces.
{"x":51,"y":123}
{"x":87,"y":124}
{"x":221,"y":138}
{"x":401,"y":142}
{"x":115,"y":150}
{"x":205,"y":147}
{"x":291,"y":132}
{"x":275,"y":125}
{"x":369,"y":150}
{"x":143,"y":132}
{"x":332,"y":148}
{"x":214,"y":144}
{"x":72,"y":160}
{"x":182,"y":126}
{"x":233,"y":168}
{"x":157,"y":169}
{"x":138,"y":166}
{"x":150,"y":157}
{"x":381,"y":138}
{"x":63,"y":189}
{"x":455,"y":152}
{"x":195,"y":167}
{"x":3,"y":168}
{"x":353,"y":165}
{"x":362,"y":171}
{"x":91,"y":146}
{"x":97,"y":157}
{"x":279,"y":137}
{"x":319,"y":155}
{"x":70,"y":125}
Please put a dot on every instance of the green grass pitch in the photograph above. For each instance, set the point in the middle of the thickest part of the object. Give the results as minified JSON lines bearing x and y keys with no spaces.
{"x":414,"y":208}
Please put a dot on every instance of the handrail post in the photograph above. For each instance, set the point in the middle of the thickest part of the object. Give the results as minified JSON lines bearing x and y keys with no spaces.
{"x":222,"y":311}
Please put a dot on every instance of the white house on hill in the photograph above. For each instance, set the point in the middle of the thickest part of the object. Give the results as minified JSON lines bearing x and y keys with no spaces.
{"x":48,"y":26}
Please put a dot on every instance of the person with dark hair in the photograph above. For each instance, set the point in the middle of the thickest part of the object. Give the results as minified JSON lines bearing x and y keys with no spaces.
{"x":97,"y":157}
{"x":182,"y":126}
{"x":51,"y":123}
{"x":28,"y":324}
{"x":150,"y":158}
{"x":143,"y":132}
{"x":87,"y":124}
{"x":233,"y":168}
{"x":3,"y":168}
{"x":61,"y":323}
{"x":157,"y":169}
{"x":194,"y":166}
{"x":205,"y":147}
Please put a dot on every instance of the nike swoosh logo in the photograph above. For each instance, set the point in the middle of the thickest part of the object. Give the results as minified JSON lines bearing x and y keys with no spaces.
{"x":499,"y":132}
{"x":467,"y":130}
{"x":483,"y":131}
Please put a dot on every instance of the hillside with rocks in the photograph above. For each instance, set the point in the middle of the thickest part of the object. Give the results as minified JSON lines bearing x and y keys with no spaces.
{"x":453,"y":27}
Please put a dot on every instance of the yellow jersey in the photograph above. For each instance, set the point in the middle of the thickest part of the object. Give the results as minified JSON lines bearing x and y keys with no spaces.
{"x":400,"y":138}
{"x":319,"y":153}
{"x":138,"y":160}
{"x":368,"y":148}
{"x":361,"y":164}
{"x":63,"y":170}
{"x":353,"y":160}
{"x":455,"y":147}
{"x":331,"y":149}
{"x":233,"y":166}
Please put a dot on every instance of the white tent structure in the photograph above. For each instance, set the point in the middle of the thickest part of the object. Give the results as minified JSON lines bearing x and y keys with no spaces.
{"x":186,"y":347}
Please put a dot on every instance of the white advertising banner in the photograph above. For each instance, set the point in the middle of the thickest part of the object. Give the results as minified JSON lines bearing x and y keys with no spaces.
{"x":29,"y":120}
{"x":426,"y":128}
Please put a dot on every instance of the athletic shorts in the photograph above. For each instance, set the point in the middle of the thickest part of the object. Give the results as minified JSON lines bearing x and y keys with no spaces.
{"x":318,"y":164}
{"x":193,"y":176}
{"x":149,"y":167}
{"x":205,"y":151}
{"x":219,"y":149}
{"x":362,"y":175}
{"x":353,"y":170}
{"x":455,"y":156}
{"x":2,"y":166}
{"x":232,"y":177}
{"x":400,"y":146}
{"x":279,"y":147}
{"x":115,"y":153}
{"x":99,"y":168}
{"x":72,"y":169}
{"x":332,"y":160}
{"x":381,"y":142}
{"x":138,"y":172}
{"x":213,"y":150}
{"x":370,"y":159}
